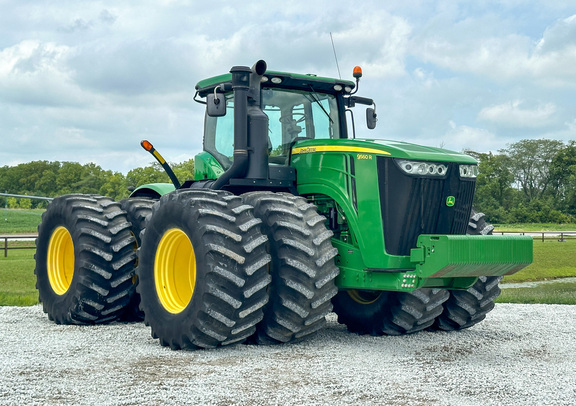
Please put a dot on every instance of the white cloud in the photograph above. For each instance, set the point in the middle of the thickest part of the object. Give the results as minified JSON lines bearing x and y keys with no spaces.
{"x":559,"y":36}
{"x":500,"y":56}
{"x":554,"y":59}
{"x":462,"y":137}
{"x":383,"y":40}
{"x":32,"y":72}
{"x":516,"y":114}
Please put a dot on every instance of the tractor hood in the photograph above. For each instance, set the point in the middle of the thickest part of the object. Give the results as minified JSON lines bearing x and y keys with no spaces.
{"x":395,"y":149}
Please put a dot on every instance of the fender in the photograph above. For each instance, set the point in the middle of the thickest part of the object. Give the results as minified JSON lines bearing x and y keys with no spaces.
{"x":154,"y":190}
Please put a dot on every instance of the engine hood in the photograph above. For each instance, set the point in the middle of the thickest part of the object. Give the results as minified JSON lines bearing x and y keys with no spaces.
{"x":395,"y":149}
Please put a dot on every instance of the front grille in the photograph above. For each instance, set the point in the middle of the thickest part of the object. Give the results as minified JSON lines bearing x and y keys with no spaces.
{"x":414,"y":205}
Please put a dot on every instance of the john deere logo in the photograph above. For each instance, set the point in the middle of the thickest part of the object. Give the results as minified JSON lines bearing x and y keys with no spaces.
{"x":450,"y":201}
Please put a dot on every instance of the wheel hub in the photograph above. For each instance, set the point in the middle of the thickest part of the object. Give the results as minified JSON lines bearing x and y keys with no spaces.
{"x":364,"y":297}
{"x":175,"y":270}
{"x":60,"y":260}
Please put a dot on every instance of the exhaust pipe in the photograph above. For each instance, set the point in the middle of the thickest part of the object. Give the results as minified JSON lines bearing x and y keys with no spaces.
{"x":248,"y":124}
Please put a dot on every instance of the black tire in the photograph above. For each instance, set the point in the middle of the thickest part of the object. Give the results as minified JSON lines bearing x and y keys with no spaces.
{"x":477,"y":225}
{"x":137,"y":209}
{"x":84,"y":253}
{"x":389,"y":313}
{"x":208,"y":287}
{"x":302,"y":267}
{"x":465,"y":308}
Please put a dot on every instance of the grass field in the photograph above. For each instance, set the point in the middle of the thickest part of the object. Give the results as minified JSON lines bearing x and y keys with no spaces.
{"x":14,"y":221}
{"x":552,"y":260}
{"x":17,"y":279}
{"x":554,"y":293}
{"x":536,"y":227}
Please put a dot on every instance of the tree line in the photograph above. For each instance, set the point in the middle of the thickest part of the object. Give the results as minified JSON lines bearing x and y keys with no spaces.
{"x":51,"y":179}
{"x":530,"y":181}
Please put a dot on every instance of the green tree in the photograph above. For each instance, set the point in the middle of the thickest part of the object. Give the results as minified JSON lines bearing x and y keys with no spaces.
{"x":25,"y":203}
{"x":184,"y":170}
{"x":563,"y":172}
{"x":92,"y":177}
{"x":46,"y":185}
{"x":28,"y":178}
{"x":68,"y":176}
{"x":114,"y":186}
{"x":12,"y":203}
{"x":494,"y":195}
{"x":149,"y":174}
{"x":530,"y":162}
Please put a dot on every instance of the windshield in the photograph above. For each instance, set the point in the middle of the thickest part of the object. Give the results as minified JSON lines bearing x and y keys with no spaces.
{"x":291,"y":114}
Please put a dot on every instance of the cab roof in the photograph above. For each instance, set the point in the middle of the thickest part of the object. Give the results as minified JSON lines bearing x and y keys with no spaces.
{"x":285,"y":80}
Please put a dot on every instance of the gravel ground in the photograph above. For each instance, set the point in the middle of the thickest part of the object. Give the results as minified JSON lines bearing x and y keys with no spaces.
{"x":520,"y":355}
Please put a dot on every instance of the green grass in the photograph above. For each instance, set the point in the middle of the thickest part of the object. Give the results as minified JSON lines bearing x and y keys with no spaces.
{"x":533,"y":227}
{"x":17,"y":279}
{"x":19,"y":221}
{"x":552,"y":293}
{"x":552,"y":260}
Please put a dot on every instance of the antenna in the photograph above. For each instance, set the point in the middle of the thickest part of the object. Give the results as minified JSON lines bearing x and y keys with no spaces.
{"x":335,"y":57}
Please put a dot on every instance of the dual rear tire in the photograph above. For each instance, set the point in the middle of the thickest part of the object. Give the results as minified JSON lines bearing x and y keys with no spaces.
{"x":216,"y":269}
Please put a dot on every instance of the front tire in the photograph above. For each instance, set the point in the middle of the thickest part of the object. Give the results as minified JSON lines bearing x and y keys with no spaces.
{"x":202,"y":270}
{"x":83,"y":260}
{"x":388,"y":313}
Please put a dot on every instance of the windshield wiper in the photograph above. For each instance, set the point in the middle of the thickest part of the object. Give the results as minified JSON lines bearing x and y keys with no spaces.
{"x":317,"y":100}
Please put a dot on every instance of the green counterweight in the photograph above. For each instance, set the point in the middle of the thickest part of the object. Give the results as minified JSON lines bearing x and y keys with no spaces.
{"x":440,"y":261}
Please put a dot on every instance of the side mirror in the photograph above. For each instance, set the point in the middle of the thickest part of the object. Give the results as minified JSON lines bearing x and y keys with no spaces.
{"x":216,"y":105}
{"x":371,"y":118}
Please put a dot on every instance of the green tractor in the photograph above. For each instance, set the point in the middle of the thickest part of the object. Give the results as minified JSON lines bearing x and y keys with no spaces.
{"x":288,"y":218}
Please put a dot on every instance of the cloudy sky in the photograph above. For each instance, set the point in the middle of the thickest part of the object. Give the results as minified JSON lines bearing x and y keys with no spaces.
{"x":86,"y":80}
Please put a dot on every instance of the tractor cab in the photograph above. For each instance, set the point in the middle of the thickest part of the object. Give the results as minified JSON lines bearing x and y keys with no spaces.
{"x":282,"y":109}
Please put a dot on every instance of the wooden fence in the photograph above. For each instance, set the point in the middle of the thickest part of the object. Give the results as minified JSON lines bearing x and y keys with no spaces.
{"x":560,"y":235}
{"x":10,"y":237}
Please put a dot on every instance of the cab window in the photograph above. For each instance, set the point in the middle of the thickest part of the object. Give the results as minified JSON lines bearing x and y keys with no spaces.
{"x":291,"y":114}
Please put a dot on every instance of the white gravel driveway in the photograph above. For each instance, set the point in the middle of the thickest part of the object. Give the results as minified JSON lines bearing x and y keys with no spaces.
{"x":520,"y":355}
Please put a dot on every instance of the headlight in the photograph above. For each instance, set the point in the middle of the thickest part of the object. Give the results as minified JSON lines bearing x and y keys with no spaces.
{"x":422,"y":168}
{"x":468,"y":171}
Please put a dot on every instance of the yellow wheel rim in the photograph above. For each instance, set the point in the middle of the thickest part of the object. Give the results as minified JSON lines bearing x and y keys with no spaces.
{"x":60,"y":261}
{"x":364,"y":297}
{"x":175,"y":270}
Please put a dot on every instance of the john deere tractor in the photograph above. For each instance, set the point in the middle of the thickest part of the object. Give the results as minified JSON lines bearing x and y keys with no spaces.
{"x":288,"y":217}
